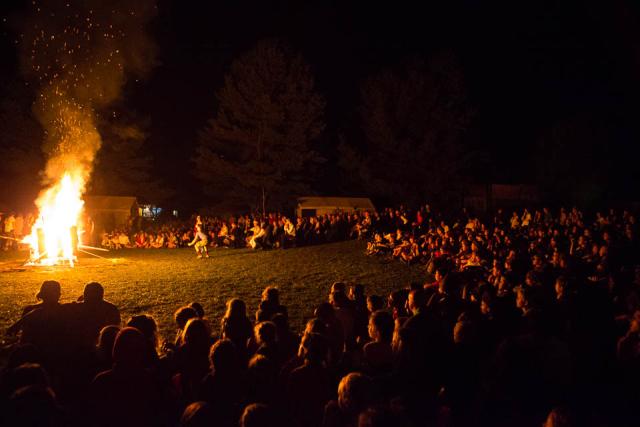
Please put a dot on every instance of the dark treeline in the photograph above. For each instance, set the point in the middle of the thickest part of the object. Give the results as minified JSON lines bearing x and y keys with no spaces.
{"x":340,"y":100}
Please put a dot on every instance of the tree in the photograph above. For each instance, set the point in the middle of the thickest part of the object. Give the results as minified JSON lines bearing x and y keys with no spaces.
{"x":412,"y":119}
{"x":573,"y":160}
{"x":258,"y":147}
{"x":20,"y":149}
{"x":122,"y":167}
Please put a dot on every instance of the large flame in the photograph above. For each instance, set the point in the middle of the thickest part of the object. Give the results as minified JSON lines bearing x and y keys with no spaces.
{"x":56,"y":231}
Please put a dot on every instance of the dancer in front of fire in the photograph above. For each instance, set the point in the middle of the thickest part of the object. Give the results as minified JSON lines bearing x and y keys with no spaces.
{"x":200,"y":241}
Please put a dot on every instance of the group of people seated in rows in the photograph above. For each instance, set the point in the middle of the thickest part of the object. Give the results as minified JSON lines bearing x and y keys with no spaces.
{"x":543,"y":330}
{"x":271,"y":231}
{"x":424,"y":237}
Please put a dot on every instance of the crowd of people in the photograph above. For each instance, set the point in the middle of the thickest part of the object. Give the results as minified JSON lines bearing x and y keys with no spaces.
{"x":270,"y":231}
{"x":14,"y":226}
{"x":527,"y":320}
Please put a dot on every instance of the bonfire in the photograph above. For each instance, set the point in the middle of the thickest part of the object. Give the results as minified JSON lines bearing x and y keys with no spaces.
{"x":56,"y":232}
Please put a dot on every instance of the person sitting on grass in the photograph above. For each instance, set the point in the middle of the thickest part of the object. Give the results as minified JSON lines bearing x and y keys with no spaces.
{"x":378,"y":354}
{"x":410,"y":251}
{"x":147,"y":326}
{"x":172,"y":240}
{"x":200,"y":241}
{"x":94,"y":313}
{"x":225,"y":386}
{"x":140,"y":240}
{"x":149,"y":240}
{"x":181,"y":317}
{"x":236,"y":326}
{"x":104,"y":349}
{"x":123,"y":240}
{"x":378,"y":246}
{"x":308,"y":387}
{"x":158,"y":242}
{"x":191,"y":359}
{"x":46,"y":326}
{"x":355,"y":394}
{"x":198,"y":414}
{"x":126,"y":394}
{"x":270,"y":303}
{"x":258,"y":415}
{"x":265,"y":335}
{"x":105,"y":241}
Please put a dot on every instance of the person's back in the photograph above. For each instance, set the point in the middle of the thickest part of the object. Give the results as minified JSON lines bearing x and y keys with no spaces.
{"x":192,"y":357}
{"x":225,"y":386}
{"x":258,"y":415}
{"x":378,"y":353}
{"x":33,"y":405}
{"x":346,"y":317}
{"x":47,"y":328}
{"x":423,"y":356}
{"x":126,"y":395}
{"x":308,"y":387}
{"x":355,"y":394}
{"x":236,"y":326}
{"x":308,"y":390}
{"x":94,"y":313}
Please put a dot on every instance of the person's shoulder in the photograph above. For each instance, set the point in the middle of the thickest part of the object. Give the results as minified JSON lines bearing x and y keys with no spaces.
{"x":102,"y":378}
{"x":109,"y":305}
{"x":369,"y":347}
{"x":299,"y":371}
{"x":29,"y":308}
{"x":332,"y":409}
{"x":70,"y":307}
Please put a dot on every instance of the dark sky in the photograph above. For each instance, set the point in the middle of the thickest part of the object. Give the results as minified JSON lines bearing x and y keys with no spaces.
{"x":528,"y":64}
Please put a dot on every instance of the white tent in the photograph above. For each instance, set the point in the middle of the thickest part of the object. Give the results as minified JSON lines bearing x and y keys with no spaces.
{"x":309,"y":206}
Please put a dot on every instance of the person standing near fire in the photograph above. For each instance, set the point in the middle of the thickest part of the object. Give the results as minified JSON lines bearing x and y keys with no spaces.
{"x":200,"y":241}
{"x":9,"y":229}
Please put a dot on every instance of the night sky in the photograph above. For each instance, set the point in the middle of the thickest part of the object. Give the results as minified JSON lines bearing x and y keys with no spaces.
{"x":527,"y":66}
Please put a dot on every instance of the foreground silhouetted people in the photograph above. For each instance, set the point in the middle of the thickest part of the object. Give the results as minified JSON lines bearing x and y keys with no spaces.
{"x":126,"y":394}
{"x":521,"y":320}
{"x":94,"y":313}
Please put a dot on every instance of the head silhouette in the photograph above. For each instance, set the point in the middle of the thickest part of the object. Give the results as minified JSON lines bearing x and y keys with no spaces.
{"x":93,"y":292}
{"x":223,"y":356}
{"x":49,"y":291}
{"x":257,"y":415}
{"x":129,"y":349}
{"x":197,"y":414}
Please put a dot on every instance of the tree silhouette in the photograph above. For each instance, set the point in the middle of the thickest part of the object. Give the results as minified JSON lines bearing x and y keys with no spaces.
{"x":573,"y":160}
{"x":412,"y":119}
{"x":257,"y":148}
{"x":123,"y":166}
{"x":20,"y":149}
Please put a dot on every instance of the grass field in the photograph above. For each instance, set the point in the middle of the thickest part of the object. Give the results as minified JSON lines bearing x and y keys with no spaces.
{"x":158,"y":281}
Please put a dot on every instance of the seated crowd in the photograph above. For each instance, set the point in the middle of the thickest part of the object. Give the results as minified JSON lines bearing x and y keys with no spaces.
{"x":255,"y":231}
{"x":529,"y":321}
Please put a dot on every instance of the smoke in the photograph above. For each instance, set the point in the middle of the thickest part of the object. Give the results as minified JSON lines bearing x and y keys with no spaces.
{"x":78,"y":55}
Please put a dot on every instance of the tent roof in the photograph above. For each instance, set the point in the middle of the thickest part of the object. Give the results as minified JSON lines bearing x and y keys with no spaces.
{"x":113,"y":203}
{"x":336,"y":202}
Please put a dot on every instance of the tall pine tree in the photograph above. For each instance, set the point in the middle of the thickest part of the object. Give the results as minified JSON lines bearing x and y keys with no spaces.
{"x":412,"y":120}
{"x":257,"y":150}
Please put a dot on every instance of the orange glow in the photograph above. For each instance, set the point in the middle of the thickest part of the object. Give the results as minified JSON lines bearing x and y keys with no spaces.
{"x":59,"y":207}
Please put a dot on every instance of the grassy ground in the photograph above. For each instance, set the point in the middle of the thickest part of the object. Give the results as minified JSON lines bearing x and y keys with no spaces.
{"x":158,"y":282}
